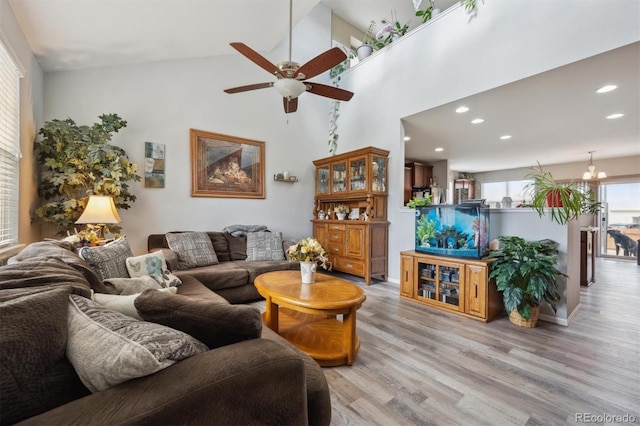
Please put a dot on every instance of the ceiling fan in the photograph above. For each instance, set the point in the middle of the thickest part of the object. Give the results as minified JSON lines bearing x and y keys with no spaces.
{"x":292,"y":77}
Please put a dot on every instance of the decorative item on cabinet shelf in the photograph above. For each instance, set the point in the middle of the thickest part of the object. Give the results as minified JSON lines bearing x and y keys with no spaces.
{"x":284,"y":177}
{"x":354,"y":214}
{"x":341,"y":211}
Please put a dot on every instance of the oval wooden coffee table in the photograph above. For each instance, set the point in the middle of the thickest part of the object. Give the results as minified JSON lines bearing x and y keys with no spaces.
{"x":307,"y":314}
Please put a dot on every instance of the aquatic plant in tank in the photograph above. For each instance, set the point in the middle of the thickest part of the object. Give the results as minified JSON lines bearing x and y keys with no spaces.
{"x":457,"y":230}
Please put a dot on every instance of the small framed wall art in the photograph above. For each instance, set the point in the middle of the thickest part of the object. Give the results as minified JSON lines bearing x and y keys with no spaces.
{"x":226,"y":166}
{"x":154,"y":165}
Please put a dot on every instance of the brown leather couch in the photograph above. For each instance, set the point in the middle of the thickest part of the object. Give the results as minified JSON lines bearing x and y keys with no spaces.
{"x":263,"y":380}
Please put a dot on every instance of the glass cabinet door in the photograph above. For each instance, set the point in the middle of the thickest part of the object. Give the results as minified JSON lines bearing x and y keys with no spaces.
{"x":427,"y":283}
{"x":339,"y":180}
{"x":439,"y":283}
{"x":379,"y":174}
{"x":357,"y":174}
{"x":322,"y":180}
{"x":449,"y":285}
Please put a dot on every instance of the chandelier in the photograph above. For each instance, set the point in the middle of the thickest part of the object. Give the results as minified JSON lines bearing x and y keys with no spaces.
{"x":591,"y":172}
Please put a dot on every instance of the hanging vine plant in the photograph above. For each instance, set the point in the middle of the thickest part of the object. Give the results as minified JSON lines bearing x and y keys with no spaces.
{"x":334,"y":112}
{"x":76,"y":162}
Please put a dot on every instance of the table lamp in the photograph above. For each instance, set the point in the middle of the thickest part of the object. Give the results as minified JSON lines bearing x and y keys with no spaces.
{"x":100,"y":211}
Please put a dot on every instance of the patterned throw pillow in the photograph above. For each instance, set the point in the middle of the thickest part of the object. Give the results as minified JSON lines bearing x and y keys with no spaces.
{"x":154,"y":265}
{"x":264,"y":246}
{"x":192,"y":248}
{"x":107,"y":347}
{"x":109,"y":260}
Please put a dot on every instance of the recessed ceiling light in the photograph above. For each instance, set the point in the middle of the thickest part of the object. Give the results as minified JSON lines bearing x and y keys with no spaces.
{"x":477,"y":121}
{"x":407,"y":138}
{"x":462,"y":109}
{"x":439,"y":149}
{"x":505,"y":137}
{"x":607,"y":88}
{"x":617,"y":115}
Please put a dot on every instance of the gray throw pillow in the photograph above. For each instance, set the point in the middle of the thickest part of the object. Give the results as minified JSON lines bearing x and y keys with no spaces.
{"x":109,"y":260}
{"x":264,"y":245}
{"x":107,"y":347}
{"x":192,"y":248}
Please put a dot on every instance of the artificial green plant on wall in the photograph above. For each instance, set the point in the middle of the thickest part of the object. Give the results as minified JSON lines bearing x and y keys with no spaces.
{"x":76,"y":162}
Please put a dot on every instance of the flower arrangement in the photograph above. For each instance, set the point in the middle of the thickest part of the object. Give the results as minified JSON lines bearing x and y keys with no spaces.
{"x":309,"y":250}
{"x":86,"y":237}
{"x":391,"y":28}
{"x":341,"y":208}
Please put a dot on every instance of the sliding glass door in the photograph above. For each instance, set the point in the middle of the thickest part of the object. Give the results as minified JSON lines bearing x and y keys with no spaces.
{"x":620,"y":219}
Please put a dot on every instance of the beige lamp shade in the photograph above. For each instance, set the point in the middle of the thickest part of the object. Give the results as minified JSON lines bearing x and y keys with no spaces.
{"x":100,"y":210}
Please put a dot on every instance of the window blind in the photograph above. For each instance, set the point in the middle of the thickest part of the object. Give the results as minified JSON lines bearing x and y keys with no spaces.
{"x":9,"y":147}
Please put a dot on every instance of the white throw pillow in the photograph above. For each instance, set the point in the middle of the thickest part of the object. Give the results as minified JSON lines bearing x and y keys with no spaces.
{"x":124,"y":303}
{"x":152,"y":264}
{"x":107,"y":347}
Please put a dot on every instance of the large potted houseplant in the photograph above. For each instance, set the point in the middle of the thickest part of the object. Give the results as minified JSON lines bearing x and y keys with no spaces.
{"x":76,"y":162}
{"x":564,"y":201}
{"x":525,"y":272}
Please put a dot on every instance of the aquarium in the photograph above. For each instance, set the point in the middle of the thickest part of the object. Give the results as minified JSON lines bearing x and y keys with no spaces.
{"x":458,"y":230}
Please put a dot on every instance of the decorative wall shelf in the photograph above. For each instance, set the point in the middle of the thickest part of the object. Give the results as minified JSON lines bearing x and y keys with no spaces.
{"x":280,"y":178}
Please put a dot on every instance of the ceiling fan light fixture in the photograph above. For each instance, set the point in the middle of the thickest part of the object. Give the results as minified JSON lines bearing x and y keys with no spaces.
{"x":289,"y":88}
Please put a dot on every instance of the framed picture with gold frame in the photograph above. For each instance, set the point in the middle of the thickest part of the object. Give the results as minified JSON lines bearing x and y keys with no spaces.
{"x":226,"y":166}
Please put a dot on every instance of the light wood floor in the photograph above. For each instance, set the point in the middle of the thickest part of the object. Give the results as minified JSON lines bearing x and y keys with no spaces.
{"x":419,"y":366}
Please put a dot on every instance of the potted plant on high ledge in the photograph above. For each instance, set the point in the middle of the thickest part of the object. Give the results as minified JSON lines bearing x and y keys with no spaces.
{"x":368,"y":42}
{"x":565,"y":201}
{"x":525,"y":272}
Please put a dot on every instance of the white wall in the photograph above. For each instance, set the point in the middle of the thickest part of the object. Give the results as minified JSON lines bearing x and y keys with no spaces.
{"x":162,"y":101}
{"x":30,"y":116}
{"x":453,"y":57}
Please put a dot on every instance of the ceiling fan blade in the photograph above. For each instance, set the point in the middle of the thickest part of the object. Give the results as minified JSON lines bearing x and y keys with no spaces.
{"x":321,"y":63}
{"x":256,"y":58}
{"x":328,"y":91}
{"x":248,"y":87}
{"x":290,"y":105}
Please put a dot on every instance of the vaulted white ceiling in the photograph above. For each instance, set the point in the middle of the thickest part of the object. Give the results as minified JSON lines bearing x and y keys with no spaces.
{"x":554,"y":116}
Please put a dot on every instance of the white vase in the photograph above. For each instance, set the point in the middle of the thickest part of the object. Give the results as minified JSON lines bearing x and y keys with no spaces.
{"x":364,"y":51}
{"x":308,"y":272}
{"x":341,"y":216}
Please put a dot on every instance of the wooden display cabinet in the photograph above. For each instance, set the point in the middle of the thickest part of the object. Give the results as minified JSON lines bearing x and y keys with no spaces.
{"x":463,"y":189}
{"x":417,"y":175}
{"x":457,"y":285}
{"x":357,"y":179}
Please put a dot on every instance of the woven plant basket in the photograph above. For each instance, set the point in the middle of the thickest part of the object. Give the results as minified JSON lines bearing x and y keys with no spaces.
{"x":517,"y":319}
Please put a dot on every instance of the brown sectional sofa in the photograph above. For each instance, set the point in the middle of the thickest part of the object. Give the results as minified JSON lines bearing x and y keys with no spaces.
{"x":231,"y":278}
{"x":262,"y":380}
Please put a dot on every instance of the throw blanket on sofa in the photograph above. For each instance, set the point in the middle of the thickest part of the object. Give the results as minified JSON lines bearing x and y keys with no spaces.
{"x":46,"y":271}
{"x":241,"y":230}
{"x":62,"y":251}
